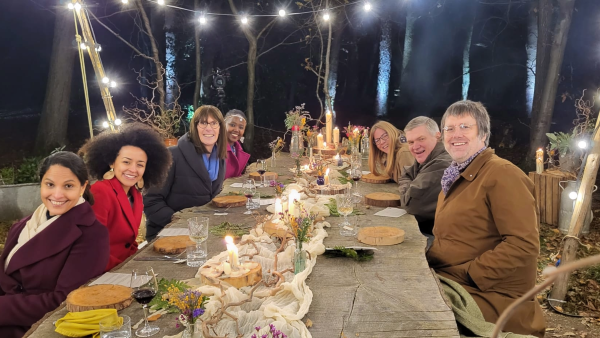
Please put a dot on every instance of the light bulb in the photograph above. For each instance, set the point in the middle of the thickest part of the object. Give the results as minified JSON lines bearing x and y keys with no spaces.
{"x":83,"y":46}
{"x":125,"y":1}
{"x":117,"y":122}
{"x":582,"y":144}
{"x":113,"y":84}
{"x":572,"y":195}
{"x":105,"y":124}
{"x":105,"y":80}
{"x":98,"y":49}
{"x":282,"y":12}
{"x":326,"y":16}
{"x":202,"y":20}
{"x":368,"y":6}
{"x":77,"y":6}
{"x":245,"y":20}
{"x":70,"y":6}
{"x":161,"y":2}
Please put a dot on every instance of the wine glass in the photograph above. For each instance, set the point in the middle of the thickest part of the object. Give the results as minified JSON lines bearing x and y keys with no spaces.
{"x":356,"y":174}
{"x":144,"y":286}
{"x":198,"y":228}
{"x":249,"y":191}
{"x":344,"y":204}
{"x":262,"y":169}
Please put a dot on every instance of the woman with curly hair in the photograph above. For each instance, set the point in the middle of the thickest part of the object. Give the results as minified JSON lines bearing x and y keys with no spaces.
{"x":125,"y":163}
{"x":237,"y":158}
{"x":197,"y":173}
{"x":389,"y":155}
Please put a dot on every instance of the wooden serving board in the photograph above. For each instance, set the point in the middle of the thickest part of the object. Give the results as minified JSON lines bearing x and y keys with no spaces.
{"x":375,"y":179}
{"x":269,"y":175}
{"x":103,"y":296}
{"x":172,"y":245}
{"x":211,"y":274}
{"x":229,"y":201}
{"x":381,"y":235}
{"x":382,"y":199}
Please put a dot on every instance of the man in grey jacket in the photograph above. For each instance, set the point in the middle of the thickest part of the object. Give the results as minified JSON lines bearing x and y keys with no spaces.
{"x":420,"y":183}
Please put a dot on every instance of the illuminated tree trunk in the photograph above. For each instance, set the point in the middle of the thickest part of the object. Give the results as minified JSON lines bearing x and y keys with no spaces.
{"x":170,"y":55}
{"x":531,"y":48}
{"x":160,"y":84}
{"x":198,"y":87}
{"x":385,"y":67}
{"x":336,"y":45}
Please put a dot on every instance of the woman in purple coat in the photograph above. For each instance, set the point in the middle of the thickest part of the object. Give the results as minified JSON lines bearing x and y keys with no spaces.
{"x":54,"y":251}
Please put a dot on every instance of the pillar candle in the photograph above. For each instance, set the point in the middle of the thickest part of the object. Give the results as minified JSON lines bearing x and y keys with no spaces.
{"x":539,"y":161}
{"x":232,"y":252}
{"x":319,"y":140}
{"x":329,"y":125}
{"x":324,"y":145}
{"x":294,"y":196}
{"x":226,"y":268}
{"x":278,"y":209}
{"x":327,"y":177}
{"x":336,"y":136}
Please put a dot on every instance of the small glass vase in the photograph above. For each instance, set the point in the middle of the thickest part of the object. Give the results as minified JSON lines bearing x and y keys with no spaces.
{"x":300,"y":257}
{"x":320,"y":180}
{"x":273,"y":159}
{"x":192,"y":331}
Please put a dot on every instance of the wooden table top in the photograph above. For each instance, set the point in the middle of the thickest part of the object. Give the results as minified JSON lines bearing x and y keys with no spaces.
{"x":393,"y":295}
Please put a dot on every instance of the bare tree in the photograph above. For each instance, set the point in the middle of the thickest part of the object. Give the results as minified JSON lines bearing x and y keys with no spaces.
{"x":198,"y":60}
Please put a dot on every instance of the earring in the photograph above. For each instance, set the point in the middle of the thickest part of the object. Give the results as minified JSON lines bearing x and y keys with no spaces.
{"x":242,"y":139}
{"x":109,"y":175}
{"x":140,"y":183}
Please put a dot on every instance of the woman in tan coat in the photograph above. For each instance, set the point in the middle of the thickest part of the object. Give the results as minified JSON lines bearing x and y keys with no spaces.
{"x":385,"y":140}
{"x":486,"y":226}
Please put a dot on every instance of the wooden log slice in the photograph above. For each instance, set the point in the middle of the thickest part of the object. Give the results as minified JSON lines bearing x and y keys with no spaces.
{"x":372,"y":178}
{"x":229,"y":201}
{"x":172,"y":245}
{"x":381,"y":235}
{"x":332,"y":189}
{"x":269,"y":175}
{"x":103,"y":296}
{"x":382,"y":199}
{"x":276,"y":229}
{"x":212,"y":274}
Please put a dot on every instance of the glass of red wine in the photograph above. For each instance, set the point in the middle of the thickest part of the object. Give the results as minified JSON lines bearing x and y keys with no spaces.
{"x":262,"y":169}
{"x":144,"y":286}
{"x":356,"y":174}
{"x":249,"y":189}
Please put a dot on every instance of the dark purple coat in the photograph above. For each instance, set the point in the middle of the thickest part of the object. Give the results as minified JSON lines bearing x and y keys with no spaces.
{"x":61,"y":258}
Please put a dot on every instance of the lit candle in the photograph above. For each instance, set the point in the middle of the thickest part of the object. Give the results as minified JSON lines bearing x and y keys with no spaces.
{"x":294,"y":196}
{"x":324,"y":145}
{"x":336,"y":136}
{"x":319,"y":140}
{"x":539,"y":161}
{"x":232,"y":252}
{"x":329,"y":125}
{"x":327,"y":177}
{"x":278,"y":209}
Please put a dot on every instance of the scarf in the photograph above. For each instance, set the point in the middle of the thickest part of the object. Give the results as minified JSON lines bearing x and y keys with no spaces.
{"x":34,"y":226}
{"x":452,"y":173}
{"x":211,"y":163}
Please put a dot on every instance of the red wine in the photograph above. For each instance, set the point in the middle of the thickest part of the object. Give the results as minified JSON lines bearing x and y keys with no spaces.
{"x":356,"y":178}
{"x":261,"y":172}
{"x":248,"y":195}
{"x":143,"y":296}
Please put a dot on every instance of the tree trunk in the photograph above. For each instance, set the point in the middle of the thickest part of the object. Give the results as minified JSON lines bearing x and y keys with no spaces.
{"x":541,"y":125}
{"x":531,"y":49}
{"x":334,"y":58}
{"x":249,"y":133}
{"x":198,"y":86}
{"x":545,"y":8}
{"x":328,"y":100}
{"x":385,"y":66}
{"x":170,"y":56}
{"x":52,"y":130}
{"x":160,"y":86}
{"x":467,"y":54}
{"x":408,"y":44}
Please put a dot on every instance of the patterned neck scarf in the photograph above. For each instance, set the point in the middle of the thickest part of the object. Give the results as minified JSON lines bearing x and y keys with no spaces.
{"x":452,"y":173}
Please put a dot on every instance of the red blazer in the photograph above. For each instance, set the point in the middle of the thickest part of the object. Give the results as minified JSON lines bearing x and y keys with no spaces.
{"x":113,"y":209}
{"x":68,"y":253}
{"x":236,"y":164}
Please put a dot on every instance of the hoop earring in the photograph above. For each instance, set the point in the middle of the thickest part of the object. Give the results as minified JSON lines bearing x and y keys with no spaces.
{"x":140,"y":183}
{"x":109,"y":175}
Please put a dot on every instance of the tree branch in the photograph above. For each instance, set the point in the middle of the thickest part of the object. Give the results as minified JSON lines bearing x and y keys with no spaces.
{"x":120,"y":38}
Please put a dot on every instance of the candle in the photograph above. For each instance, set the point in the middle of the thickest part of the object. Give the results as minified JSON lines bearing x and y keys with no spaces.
{"x":336,"y":136}
{"x":232,"y":252}
{"x":339,"y":160}
{"x":329,"y":125}
{"x":539,"y":161}
{"x":327,"y":177}
{"x":319,"y":140}
{"x":294,"y":196}
{"x":226,"y":268}
{"x":278,"y":209}
{"x":324,"y":145}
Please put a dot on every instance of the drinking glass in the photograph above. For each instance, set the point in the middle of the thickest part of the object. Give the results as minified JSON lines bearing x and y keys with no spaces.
{"x":356,"y":174}
{"x":198,"y":227}
{"x":110,"y":329}
{"x":345,"y":207}
{"x":249,"y":189}
{"x":196,"y":254}
{"x":255,"y":201}
{"x":144,"y":286}
{"x":262,"y":169}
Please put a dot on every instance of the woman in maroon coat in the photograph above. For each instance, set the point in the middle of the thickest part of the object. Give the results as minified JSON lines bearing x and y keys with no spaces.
{"x":127,"y":161}
{"x":54,"y":251}
{"x":237,"y":158}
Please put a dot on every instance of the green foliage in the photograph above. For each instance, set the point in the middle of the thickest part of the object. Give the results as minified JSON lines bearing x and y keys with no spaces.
{"x":344,"y":179}
{"x":231,"y":229}
{"x":561,"y":142}
{"x":332,"y":206}
{"x":7,"y":175}
{"x":28,"y":170}
{"x":190,"y":113}
{"x":159,"y":302}
{"x":340,"y":251}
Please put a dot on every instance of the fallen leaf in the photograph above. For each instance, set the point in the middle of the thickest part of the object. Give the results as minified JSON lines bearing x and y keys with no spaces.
{"x":154,"y":317}
{"x":569,"y":334}
{"x":309,"y":323}
{"x":556,"y":231}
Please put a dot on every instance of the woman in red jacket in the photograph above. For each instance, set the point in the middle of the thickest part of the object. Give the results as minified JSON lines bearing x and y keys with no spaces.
{"x":125,"y":162}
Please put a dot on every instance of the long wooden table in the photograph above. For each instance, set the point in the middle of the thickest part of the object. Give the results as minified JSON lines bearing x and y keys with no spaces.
{"x":393,"y":295}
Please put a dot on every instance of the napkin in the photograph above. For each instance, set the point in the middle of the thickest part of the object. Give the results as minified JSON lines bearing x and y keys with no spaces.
{"x":174,"y":232}
{"x":236,"y":185}
{"x":391,"y":212}
{"x":81,"y":324}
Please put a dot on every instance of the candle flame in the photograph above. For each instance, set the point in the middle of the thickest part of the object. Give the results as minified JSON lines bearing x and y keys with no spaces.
{"x":335,"y":128}
{"x":327,"y":172}
{"x":540,"y":149}
{"x":228,"y":239}
{"x":324,"y":144}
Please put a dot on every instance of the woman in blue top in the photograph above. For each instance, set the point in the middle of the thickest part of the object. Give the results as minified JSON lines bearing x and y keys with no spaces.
{"x":197,"y":173}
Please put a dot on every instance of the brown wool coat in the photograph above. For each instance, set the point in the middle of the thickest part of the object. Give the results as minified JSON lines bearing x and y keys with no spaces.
{"x":403,"y":159}
{"x":487,"y":239}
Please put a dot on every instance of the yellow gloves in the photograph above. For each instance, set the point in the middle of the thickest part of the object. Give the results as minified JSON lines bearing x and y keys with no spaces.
{"x":81,"y":324}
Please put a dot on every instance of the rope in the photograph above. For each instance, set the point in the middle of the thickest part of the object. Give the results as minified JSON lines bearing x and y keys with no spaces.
{"x":83,"y":77}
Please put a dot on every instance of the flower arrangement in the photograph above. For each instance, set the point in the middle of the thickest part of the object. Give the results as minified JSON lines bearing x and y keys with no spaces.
{"x":301,"y":118}
{"x":300,"y":226}
{"x":353,"y":133}
{"x":276,"y":145}
{"x":189,"y":302}
{"x":279,"y":187}
{"x":272,"y":333}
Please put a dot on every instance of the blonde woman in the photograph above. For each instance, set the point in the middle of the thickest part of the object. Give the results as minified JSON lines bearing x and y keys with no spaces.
{"x":388,"y":154}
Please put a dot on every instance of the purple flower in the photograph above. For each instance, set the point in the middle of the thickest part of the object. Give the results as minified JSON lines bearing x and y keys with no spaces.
{"x":253,"y":336}
{"x":197,"y":313}
{"x":283,"y":335}
{"x":264,"y":336}
{"x":272,"y":327}
{"x":257,"y":328}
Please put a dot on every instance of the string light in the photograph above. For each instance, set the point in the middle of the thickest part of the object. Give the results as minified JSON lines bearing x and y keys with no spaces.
{"x":161,"y":2}
{"x":326,"y":16}
{"x":83,"y":46}
{"x":117,"y":122}
{"x":125,"y":1}
{"x":105,"y":80}
{"x":77,"y":6}
{"x":70,"y":6}
{"x":582,"y":144}
{"x":98,"y":48}
{"x":244,"y":20}
{"x":113,"y":84}
{"x":105,"y":124}
{"x":202,"y":20}
{"x":282,"y":12}
{"x":573,"y":195}
{"x":368,"y":6}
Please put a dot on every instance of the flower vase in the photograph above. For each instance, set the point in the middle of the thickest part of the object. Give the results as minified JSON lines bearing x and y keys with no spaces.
{"x":320,"y":180}
{"x":273,"y":159}
{"x":300,"y":257}
{"x":192,"y":331}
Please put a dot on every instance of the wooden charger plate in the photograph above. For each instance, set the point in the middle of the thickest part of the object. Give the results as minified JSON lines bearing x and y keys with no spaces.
{"x":229,"y":201}
{"x":372,"y":178}
{"x":380,"y":235}
{"x":382,"y":199}
{"x":269,"y":175}
{"x":172,"y":245}
{"x":103,"y":296}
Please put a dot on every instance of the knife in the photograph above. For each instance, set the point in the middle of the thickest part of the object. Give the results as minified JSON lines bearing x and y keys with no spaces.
{"x":150,"y":258}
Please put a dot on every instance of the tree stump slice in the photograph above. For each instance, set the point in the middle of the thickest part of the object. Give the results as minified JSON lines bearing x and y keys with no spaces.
{"x":212,"y":274}
{"x":269,"y":175}
{"x":382,"y":199}
{"x":277,"y":229}
{"x":229,"y":201}
{"x":375,"y":179}
{"x":381,"y":236}
{"x":172,"y":245}
{"x":103,"y":296}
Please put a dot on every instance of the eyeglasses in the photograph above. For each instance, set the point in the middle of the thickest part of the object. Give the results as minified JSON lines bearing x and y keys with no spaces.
{"x":463,"y":127}
{"x":213,"y":125}
{"x":383,"y":138}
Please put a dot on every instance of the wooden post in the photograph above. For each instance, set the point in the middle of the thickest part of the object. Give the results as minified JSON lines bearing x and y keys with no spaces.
{"x":584,"y":199}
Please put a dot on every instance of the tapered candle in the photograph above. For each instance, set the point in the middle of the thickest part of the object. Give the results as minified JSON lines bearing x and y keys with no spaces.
{"x":336,"y":136}
{"x":319,"y":140}
{"x":329,"y":125}
{"x":539,"y":161}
